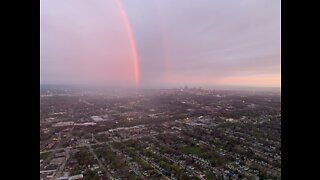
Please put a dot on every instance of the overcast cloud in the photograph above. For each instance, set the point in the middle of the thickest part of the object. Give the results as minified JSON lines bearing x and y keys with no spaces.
{"x":194,"y":42}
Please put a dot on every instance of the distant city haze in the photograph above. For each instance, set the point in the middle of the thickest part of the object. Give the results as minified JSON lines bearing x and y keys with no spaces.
{"x":161,"y":43}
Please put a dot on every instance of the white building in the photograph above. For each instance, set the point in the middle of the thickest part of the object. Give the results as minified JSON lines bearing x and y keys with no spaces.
{"x":78,"y":176}
{"x":96,"y":118}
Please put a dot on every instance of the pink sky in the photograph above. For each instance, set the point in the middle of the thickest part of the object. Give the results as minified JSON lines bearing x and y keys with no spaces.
{"x":161,"y":43}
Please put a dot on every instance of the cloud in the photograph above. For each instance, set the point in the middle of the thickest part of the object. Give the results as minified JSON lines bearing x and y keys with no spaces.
{"x":195,"y":42}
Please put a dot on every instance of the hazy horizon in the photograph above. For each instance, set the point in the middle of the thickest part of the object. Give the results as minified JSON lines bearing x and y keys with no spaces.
{"x":161,"y":43}
{"x":212,"y":87}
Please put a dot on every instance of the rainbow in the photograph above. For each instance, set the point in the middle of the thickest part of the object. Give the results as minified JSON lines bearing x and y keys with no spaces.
{"x":132,"y":42}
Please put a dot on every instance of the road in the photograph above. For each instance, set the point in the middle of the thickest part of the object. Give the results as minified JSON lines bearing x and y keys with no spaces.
{"x":99,"y":162}
{"x":67,"y":149}
{"x":182,"y":167}
{"x":100,"y":143}
{"x":58,"y":173}
{"x":50,"y":156}
{"x":131,"y":166}
{"x":153,"y":166}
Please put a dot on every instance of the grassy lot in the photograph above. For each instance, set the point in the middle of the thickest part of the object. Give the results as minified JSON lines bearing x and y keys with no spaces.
{"x":191,"y":150}
{"x":133,"y":175}
{"x":44,"y":155}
